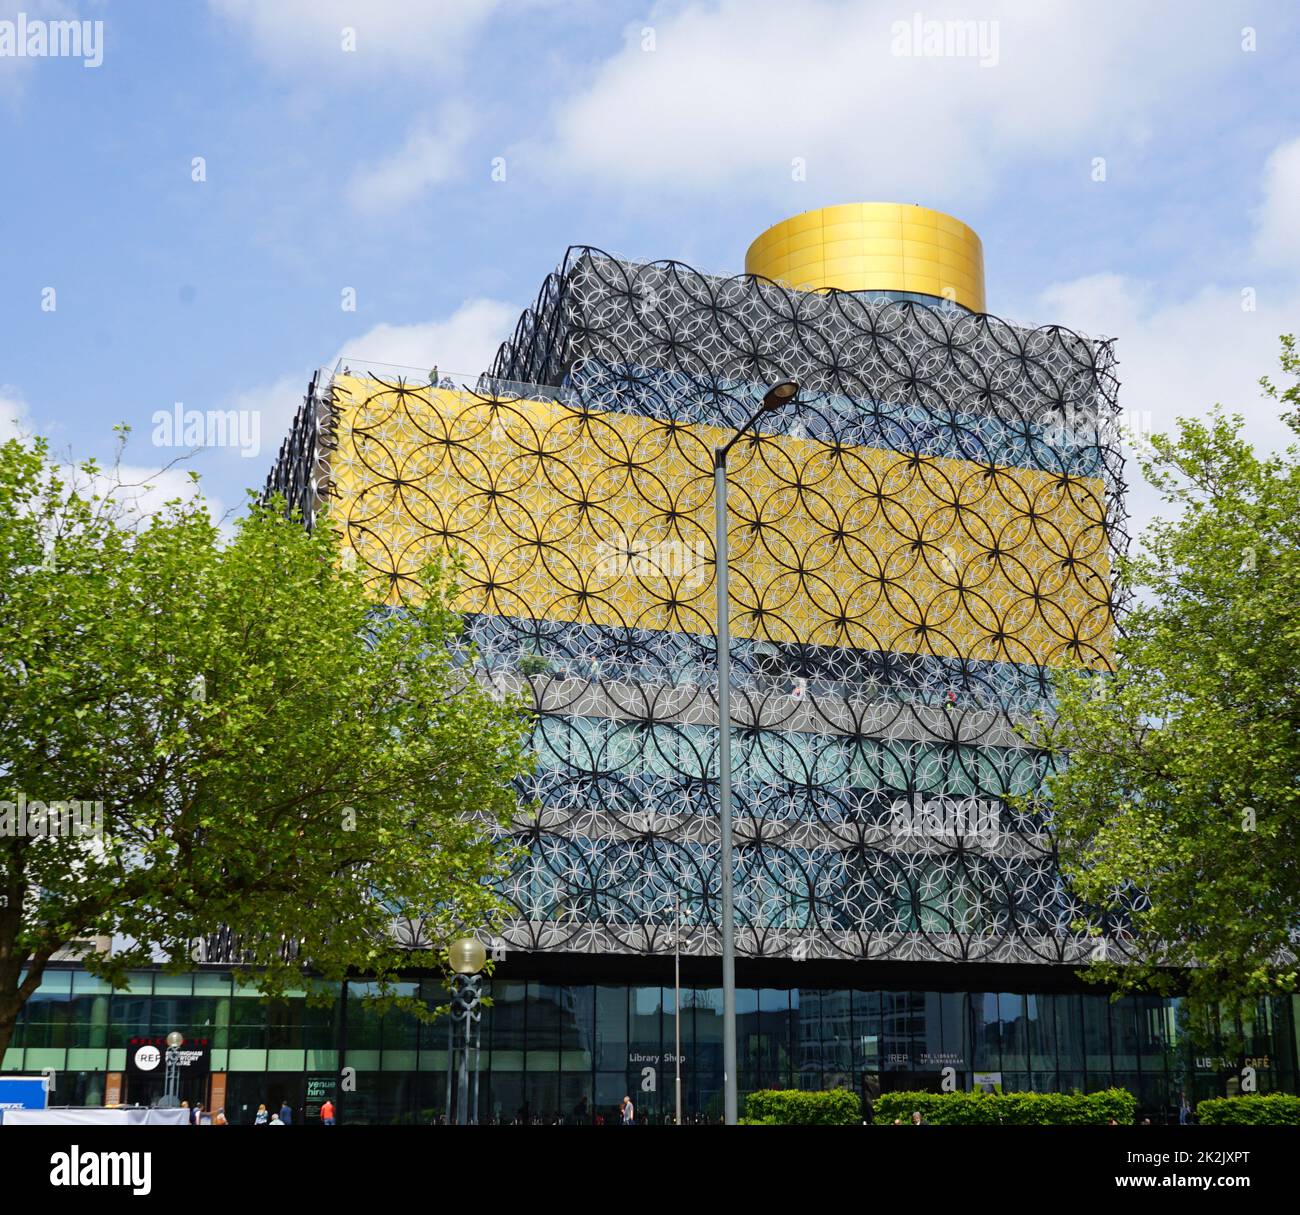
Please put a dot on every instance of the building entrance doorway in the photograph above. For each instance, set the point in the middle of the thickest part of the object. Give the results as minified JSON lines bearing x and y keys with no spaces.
{"x":148,"y":1090}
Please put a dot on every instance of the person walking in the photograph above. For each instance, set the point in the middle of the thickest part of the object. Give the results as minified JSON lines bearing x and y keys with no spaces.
{"x":1184,"y":1110}
{"x":628,"y":1112}
{"x":917,"y":1120}
{"x":219,"y":1118}
{"x":327,"y":1113}
{"x":286,"y":1114}
{"x":263,"y":1116}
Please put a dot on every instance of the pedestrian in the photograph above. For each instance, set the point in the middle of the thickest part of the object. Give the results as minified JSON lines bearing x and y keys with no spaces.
{"x":196,"y":1114}
{"x":628,"y":1112}
{"x":286,"y":1114}
{"x":219,"y":1118}
{"x":327,"y":1113}
{"x":917,"y":1120}
{"x":275,"y":1121}
{"x":262,"y":1117}
{"x":1184,"y":1110}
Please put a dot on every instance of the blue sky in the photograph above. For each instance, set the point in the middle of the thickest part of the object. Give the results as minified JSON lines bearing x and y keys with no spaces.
{"x":653,"y":130}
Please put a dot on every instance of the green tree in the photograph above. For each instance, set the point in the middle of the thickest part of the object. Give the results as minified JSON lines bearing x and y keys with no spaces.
{"x":273,"y":756}
{"x":1179,"y":809}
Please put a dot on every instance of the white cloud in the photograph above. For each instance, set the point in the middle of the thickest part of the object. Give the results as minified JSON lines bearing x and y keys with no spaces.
{"x":15,"y":422}
{"x":464,"y":344}
{"x":461,"y":345}
{"x":1278,"y":238}
{"x":430,"y":156}
{"x":405,"y":34}
{"x":733,"y":91}
{"x":143,"y":490}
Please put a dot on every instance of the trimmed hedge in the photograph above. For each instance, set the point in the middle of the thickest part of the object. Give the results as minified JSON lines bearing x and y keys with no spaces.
{"x":1271,"y":1109}
{"x":1009,"y":1109}
{"x":794,"y":1107}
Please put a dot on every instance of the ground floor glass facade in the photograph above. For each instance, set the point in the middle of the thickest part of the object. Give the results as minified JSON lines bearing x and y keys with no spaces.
{"x":569,"y":1052}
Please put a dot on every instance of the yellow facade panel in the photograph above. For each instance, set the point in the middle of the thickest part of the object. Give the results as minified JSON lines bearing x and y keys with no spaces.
{"x":545,"y":504}
{"x":929,"y":236}
{"x":884,"y":263}
{"x":835,"y":249}
{"x":883,"y":212}
{"x":842,"y":213}
{"x":929,"y":271}
{"x":777,"y":249}
{"x":834,"y":232}
{"x":809,"y":221}
{"x":805,"y":240}
{"x":921,"y":217}
{"x":920,"y":248}
{"x":843,"y":267}
{"x":880,"y":231}
{"x":804,"y":272}
{"x":879,"y":280}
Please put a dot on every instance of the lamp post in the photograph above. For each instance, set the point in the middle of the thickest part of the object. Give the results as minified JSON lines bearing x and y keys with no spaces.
{"x":172,"y":1075}
{"x":677,"y":1000}
{"x":467,"y":957}
{"x":778,"y":395}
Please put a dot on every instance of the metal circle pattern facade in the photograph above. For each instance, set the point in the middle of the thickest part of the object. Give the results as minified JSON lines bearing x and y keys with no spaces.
{"x":915,"y":546}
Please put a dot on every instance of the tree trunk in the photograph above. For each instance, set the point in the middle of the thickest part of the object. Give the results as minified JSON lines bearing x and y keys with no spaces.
{"x":15,"y":988}
{"x":9,"y":1010}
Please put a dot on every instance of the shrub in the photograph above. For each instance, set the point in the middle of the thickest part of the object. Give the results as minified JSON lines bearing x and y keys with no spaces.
{"x":794,"y":1107}
{"x":1009,"y":1109}
{"x":533,"y":664}
{"x":1272,"y":1109}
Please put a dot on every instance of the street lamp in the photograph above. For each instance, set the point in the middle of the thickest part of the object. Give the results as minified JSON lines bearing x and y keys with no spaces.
{"x":778,"y":395}
{"x":172,"y":1073}
{"x":677,"y":1002}
{"x":467,"y":958}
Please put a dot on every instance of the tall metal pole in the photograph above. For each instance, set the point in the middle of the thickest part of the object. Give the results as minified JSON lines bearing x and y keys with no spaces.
{"x":677,"y":997}
{"x":478,"y":1063}
{"x":451,"y":1055}
{"x":730,"y":1113}
{"x":172,"y":1078}
{"x":464,"y":985}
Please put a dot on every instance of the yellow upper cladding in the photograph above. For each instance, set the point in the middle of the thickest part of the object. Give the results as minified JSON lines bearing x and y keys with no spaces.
{"x":607,"y":519}
{"x":874,"y":247}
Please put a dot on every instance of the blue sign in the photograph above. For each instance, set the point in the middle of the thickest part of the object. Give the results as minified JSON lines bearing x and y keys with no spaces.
{"x":23,"y":1093}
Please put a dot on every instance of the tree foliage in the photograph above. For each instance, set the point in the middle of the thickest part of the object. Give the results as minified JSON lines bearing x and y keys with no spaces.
{"x":1178,"y":813}
{"x":272,"y":756}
